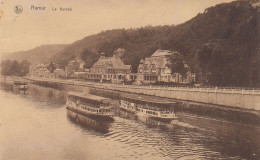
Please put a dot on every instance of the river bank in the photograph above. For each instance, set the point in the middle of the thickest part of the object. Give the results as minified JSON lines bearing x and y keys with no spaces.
{"x":231,"y":114}
{"x":235,"y":114}
{"x":241,"y":98}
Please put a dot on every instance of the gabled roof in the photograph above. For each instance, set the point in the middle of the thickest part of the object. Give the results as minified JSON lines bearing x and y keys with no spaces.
{"x":160,"y":53}
{"x":159,"y":58}
{"x":43,"y":69}
{"x":58,"y":70}
{"x":112,"y":63}
{"x":158,"y":62}
{"x":78,"y":61}
{"x":165,"y":53}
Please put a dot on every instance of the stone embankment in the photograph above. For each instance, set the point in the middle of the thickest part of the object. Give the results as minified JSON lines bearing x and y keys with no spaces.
{"x":245,"y":99}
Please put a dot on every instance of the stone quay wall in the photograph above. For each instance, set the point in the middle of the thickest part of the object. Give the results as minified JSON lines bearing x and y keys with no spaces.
{"x":246,"y":99}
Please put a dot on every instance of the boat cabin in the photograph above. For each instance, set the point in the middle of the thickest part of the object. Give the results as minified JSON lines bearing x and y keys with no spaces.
{"x":88,"y":99}
{"x":146,"y":102}
{"x":89,"y":104}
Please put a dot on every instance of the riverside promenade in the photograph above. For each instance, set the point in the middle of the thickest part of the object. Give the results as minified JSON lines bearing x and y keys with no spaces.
{"x":241,"y":98}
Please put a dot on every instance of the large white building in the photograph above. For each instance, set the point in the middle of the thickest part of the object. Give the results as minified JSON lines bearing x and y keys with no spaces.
{"x":110,"y":69}
{"x":156,"y":68}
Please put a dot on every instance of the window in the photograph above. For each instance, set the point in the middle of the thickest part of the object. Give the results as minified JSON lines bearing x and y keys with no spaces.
{"x":145,"y":66}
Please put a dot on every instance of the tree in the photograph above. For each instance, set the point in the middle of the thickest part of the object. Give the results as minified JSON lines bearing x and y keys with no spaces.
{"x":25,"y":65}
{"x":202,"y":61}
{"x":51,"y":67}
{"x":6,"y":67}
{"x":10,"y":68}
{"x":89,"y":58}
{"x":15,"y":69}
{"x":177,"y":65}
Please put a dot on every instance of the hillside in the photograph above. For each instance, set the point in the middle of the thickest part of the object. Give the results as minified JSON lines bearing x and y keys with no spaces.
{"x":41,"y":54}
{"x":221,"y":45}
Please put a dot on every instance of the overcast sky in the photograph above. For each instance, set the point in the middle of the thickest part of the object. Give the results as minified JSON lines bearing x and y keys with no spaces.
{"x":32,"y":28}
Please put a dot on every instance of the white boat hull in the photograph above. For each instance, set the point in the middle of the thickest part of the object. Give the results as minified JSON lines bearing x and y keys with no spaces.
{"x":145,"y":112}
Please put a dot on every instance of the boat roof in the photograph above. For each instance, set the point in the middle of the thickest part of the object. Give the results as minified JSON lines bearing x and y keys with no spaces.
{"x":20,"y":82}
{"x":87,"y":96}
{"x":149,"y":99}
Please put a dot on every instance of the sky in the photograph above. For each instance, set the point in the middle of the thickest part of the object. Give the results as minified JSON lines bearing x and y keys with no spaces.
{"x":32,"y":28}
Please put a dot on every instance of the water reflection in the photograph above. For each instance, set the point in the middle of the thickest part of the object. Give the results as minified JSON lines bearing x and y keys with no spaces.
{"x":200,"y":135}
{"x":50,"y":95}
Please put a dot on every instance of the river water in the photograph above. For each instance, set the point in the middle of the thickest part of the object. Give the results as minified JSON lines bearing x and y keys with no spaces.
{"x":36,"y":125}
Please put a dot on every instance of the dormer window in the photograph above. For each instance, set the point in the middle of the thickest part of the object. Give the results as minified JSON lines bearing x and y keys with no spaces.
{"x":153,"y":68}
{"x":145,"y":66}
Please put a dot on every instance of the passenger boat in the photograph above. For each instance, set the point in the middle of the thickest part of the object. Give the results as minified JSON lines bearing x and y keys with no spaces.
{"x":148,"y":106}
{"x":88,"y":104}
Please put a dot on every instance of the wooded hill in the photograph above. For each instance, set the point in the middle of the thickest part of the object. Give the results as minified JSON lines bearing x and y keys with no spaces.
{"x":221,"y":45}
{"x":41,"y":54}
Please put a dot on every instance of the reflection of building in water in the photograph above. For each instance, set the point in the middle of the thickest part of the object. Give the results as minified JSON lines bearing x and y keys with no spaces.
{"x":89,"y":122}
{"x":44,"y":94}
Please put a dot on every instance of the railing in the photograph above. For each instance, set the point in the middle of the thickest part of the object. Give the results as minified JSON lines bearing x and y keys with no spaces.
{"x":236,"y":97}
{"x":227,"y":90}
{"x":209,"y":87}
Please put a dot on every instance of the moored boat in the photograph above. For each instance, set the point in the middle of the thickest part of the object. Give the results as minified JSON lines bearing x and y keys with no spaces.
{"x":20,"y":85}
{"x":88,"y":104}
{"x":98,"y":125}
{"x":154,"y":107}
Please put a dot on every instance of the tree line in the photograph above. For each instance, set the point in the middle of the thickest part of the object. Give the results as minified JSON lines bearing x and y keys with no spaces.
{"x":14,"y":68}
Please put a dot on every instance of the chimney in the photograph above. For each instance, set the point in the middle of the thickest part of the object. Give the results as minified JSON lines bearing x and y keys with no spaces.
{"x":102,"y":55}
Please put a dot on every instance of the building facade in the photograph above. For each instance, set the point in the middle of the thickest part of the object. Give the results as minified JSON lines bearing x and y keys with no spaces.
{"x":109,"y":69}
{"x":39,"y":70}
{"x":156,"y":68}
{"x":59,"y":73}
{"x":74,"y":66}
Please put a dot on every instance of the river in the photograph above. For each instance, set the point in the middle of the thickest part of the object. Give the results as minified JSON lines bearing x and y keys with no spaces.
{"x":36,"y":125}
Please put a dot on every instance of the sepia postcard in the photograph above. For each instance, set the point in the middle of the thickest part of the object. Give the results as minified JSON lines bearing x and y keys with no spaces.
{"x":129,"y":79}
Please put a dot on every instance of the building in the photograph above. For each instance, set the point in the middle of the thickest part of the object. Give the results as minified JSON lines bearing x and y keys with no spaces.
{"x":59,"y":73}
{"x":39,"y":70}
{"x":74,"y":66}
{"x":109,"y":69}
{"x":156,"y":68}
